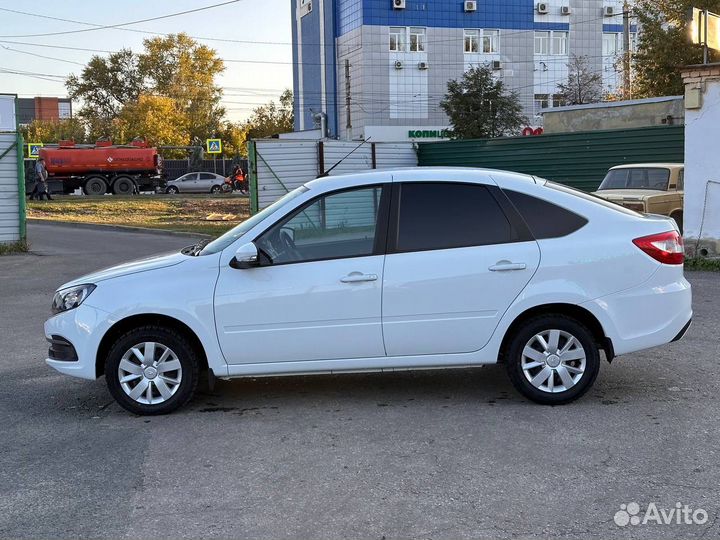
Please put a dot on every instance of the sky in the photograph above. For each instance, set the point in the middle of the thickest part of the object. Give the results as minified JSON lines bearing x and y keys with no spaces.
{"x":262,"y":59}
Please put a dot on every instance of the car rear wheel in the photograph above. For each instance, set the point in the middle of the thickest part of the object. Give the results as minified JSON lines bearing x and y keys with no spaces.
{"x":552,"y":359}
{"x":152,"y":370}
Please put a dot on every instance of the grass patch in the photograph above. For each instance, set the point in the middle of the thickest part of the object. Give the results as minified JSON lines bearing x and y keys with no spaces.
{"x":707,"y":265}
{"x":14,"y":248}
{"x":205,"y":214}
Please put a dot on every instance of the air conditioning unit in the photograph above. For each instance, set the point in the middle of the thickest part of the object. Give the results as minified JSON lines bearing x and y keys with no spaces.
{"x":398,"y":64}
{"x":496,"y":65}
{"x":609,"y":11}
{"x":398,"y":4}
{"x":470,"y":5}
{"x":565,"y":10}
{"x":422,"y":65}
{"x":542,"y":8}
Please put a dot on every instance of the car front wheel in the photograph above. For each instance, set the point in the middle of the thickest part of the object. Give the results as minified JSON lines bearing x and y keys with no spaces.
{"x":552,"y":359}
{"x":152,"y":370}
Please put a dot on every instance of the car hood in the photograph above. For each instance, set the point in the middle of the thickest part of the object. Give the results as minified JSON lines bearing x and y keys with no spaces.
{"x":628,"y":194}
{"x":132,"y":267}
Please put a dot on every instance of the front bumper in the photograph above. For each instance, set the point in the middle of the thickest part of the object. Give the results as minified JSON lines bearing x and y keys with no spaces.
{"x":77,"y":331}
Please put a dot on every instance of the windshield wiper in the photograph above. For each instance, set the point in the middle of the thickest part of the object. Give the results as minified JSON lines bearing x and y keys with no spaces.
{"x":195,"y":249}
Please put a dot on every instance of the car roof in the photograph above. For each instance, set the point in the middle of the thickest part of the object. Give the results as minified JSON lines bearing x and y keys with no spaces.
{"x":435,"y":174}
{"x":646,"y":165}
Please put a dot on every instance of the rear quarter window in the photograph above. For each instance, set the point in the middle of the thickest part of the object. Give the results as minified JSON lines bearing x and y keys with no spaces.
{"x":543,"y":218}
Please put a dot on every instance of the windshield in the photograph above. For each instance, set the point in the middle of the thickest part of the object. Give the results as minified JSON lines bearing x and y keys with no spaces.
{"x":236,"y":232}
{"x":636,"y":178}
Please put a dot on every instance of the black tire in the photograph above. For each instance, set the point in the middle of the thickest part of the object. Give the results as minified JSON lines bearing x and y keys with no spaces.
{"x":95,"y":185}
{"x":544,"y":323}
{"x":123,"y":185}
{"x":166,"y":337}
{"x":172,"y":190}
{"x":215,"y":190}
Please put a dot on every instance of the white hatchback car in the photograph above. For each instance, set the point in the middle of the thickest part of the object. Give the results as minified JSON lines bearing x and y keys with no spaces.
{"x":416,"y":269}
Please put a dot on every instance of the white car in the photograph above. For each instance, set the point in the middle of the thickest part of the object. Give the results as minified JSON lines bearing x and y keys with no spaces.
{"x":415,"y":269}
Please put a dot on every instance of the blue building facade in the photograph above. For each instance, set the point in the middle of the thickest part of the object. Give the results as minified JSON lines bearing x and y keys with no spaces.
{"x":396,"y":56}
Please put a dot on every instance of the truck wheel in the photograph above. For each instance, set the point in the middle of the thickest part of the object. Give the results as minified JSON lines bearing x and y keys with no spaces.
{"x":123,"y":186}
{"x":95,"y":185}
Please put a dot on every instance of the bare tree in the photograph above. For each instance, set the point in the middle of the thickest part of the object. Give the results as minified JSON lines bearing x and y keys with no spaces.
{"x":583,"y":85}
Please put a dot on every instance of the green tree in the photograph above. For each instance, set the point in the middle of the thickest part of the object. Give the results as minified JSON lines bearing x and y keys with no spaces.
{"x":180,"y":68}
{"x":104,"y":86}
{"x":46,"y":131}
{"x":480,"y":106}
{"x":158,"y":118}
{"x":174,"y":67}
{"x":583,"y":85}
{"x":664,"y":44}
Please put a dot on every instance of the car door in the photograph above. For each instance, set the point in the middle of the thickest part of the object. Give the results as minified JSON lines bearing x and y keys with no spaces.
{"x":317,"y":294}
{"x":455,"y":263}
{"x":189,"y":181}
{"x":207,"y":181}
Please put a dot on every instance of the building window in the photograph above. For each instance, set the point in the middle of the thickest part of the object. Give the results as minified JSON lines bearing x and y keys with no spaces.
{"x":491,"y":41}
{"x":611,"y":43}
{"x":541,"y":101}
{"x":555,"y":43}
{"x":397,"y":39}
{"x":557,"y":101}
{"x":542,"y":42}
{"x":472,"y":41}
{"x":417,"y":39}
{"x":559,"y":43}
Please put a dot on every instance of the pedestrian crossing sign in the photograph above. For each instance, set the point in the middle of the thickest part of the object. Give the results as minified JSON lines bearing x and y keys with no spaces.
{"x":214,"y":146}
{"x":34,"y":149}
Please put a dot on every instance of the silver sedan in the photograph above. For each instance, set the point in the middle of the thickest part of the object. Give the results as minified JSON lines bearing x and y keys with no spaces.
{"x":196,"y":182}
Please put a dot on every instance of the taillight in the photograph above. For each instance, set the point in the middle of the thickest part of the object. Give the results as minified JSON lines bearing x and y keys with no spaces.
{"x":666,"y":248}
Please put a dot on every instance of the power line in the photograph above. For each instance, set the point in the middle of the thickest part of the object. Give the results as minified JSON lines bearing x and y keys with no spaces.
{"x":118,"y":25}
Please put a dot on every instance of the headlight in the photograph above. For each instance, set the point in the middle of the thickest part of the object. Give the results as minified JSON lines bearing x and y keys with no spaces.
{"x":71,"y":297}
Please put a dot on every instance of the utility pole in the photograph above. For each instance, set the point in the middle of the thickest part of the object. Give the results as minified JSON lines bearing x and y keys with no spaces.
{"x":348,"y":124}
{"x":626,"y":51}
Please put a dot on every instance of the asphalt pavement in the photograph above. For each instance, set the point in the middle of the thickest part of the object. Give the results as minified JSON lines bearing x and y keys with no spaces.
{"x":430,"y":455}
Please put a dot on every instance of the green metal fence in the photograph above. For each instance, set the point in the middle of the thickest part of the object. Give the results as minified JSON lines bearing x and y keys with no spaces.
{"x":576,"y":159}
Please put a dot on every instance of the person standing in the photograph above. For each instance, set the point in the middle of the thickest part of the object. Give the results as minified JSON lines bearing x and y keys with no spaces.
{"x":42,"y":183}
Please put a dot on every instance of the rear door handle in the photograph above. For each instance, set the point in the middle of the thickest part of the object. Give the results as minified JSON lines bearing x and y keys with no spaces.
{"x":507,"y":266}
{"x":358,"y":277}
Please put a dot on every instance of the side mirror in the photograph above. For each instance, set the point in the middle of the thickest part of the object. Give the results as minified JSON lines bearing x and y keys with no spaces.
{"x":245,"y":257}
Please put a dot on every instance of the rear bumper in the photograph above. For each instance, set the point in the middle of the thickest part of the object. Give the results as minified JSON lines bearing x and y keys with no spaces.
{"x":655,"y":313}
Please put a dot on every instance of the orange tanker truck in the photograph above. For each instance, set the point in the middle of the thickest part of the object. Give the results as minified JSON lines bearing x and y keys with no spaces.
{"x":104,"y":167}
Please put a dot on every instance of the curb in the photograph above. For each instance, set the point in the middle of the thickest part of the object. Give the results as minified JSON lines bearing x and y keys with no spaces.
{"x":120,"y":228}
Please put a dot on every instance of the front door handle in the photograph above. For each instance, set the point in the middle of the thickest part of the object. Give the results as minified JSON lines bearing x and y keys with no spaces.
{"x":507,"y":266}
{"x":358,"y":277}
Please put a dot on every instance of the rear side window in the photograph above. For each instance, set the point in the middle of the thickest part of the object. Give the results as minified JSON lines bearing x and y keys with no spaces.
{"x":444,"y":216}
{"x":207,"y":176}
{"x":545,"y":219}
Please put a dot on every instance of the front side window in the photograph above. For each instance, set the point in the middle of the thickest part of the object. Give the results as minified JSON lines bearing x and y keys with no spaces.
{"x":542,"y":42}
{"x":444,"y":216}
{"x":417,"y":39}
{"x":491,"y":41}
{"x":397,"y":39}
{"x":338,"y":225}
{"x":472,"y":41}
{"x":188,"y":177}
